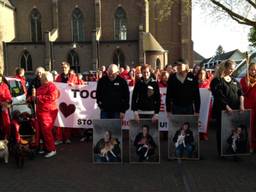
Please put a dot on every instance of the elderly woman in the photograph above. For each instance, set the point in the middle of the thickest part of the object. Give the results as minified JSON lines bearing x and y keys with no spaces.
{"x":46,"y":96}
{"x":5,"y":100}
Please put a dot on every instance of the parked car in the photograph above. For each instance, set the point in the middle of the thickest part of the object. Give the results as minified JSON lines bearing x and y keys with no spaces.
{"x":18,"y":95}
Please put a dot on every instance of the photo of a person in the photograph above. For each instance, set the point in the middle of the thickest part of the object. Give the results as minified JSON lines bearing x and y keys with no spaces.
{"x":107,"y":149}
{"x":238,"y":140}
{"x":235,"y":140}
{"x":183,"y":137}
{"x":184,"y":141}
{"x":144,"y":143}
{"x":107,"y":141}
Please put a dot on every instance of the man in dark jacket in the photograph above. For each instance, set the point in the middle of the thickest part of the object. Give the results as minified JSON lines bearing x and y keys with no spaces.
{"x":112,"y":94}
{"x":182,"y":95}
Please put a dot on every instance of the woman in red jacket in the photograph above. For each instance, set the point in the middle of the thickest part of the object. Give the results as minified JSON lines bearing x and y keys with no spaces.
{"x":5,"y":100}
{"x":248,"y":84}
{"x":46,"y":96}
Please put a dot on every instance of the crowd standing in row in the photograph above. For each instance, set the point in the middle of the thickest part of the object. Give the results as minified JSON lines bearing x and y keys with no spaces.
{"x":112,"y":95}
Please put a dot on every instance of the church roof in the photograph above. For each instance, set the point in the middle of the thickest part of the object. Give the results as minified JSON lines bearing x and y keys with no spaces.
{"x":7,"y":3}
{"x":150,"y":43}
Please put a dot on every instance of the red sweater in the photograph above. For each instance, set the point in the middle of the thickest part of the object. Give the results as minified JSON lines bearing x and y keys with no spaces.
{"x":249,"y":94}
{"x":5,"y":94}
{"x":47,"y":95}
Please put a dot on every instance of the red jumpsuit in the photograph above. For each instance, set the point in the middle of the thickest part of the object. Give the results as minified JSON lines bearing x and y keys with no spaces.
{"x":64,"y":134}
{"x":46,"y":112}
{"x":5,"y":96}
{"x":250,"y":103}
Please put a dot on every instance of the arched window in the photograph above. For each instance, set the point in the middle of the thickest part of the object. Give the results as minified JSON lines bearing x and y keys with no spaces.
{"x":26,"y":61}
{"x":158,"y":63}
{"x":35,"y":22}
{"x":73,"y":60}
{"x":120,"y":24}
{"x":118,"y":58}
{"x":77,"y":25}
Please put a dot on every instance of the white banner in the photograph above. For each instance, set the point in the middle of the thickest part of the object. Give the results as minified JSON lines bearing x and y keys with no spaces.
{"x":77,"y":107}
{"x":206,"y":97}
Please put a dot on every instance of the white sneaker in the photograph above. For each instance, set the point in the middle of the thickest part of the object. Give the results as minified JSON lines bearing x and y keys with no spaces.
{"x":50,"y":154}
{"x":57,"y":142}
{"x":68,"y":141}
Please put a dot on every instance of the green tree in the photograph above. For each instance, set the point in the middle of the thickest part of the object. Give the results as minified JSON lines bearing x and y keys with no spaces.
{"x":220,"y":50}
{"x":252,"y":37}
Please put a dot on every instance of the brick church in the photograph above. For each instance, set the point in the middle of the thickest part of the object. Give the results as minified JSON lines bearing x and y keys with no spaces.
{"x":92,"y":33}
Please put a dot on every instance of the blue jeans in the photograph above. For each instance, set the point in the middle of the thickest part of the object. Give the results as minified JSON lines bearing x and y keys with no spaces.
{"x":181,"y":151}
{"x":109,"y":115}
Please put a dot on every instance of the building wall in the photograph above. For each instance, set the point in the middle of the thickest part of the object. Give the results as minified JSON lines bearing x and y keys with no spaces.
{"x":174,"y":32}
{"x":66,"y":8}
{"x":130,"y":51}
{"x":152,"y":56}
{"x":133,"y":11}
{"x":60,"y":53}
{"x":7,"y":32}
{"x":14,"y":52}
{"x":23,"y":10}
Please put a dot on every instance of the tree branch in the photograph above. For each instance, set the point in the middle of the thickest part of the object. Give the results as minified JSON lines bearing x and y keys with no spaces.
{"x":234,"y":15}
{"x":253,"y":4}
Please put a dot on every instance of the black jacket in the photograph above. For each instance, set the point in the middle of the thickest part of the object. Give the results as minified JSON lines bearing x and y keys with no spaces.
{"x":35,"y":83}
{"x":189,"y":138}
{"x":112,"y":96}
{"x":149,"y":138}
{"x":143,"y":100}
{"x":241,"y":144}
{"x":225,"y":93}
{"x":183,"y":94}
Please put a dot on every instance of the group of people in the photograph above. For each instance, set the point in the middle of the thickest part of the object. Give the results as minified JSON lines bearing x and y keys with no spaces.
{"x":113,"y":96}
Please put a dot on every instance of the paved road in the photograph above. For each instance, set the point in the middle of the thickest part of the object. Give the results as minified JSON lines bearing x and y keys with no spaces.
{"x":72,"y":170}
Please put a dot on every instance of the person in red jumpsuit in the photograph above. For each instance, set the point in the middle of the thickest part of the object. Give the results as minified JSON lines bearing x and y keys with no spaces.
{"x":46,"y":111}
{"x":5,"y":101}
{"x":248,"y":84}
{"x":64,"y":134}
{"x":20,"y":74}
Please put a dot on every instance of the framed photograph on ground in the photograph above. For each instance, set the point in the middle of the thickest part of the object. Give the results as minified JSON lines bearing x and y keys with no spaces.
{"x":107,"y":141}
{"x":144,"y":143}
{"x":235,"y":129}
{"x":183,"y":137}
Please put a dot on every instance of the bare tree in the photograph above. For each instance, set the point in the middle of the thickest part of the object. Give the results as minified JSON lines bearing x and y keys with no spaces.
{"x":242,"y":11}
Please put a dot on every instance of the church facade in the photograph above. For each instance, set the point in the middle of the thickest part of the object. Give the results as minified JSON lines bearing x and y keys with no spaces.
{"x":92,"y":33}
